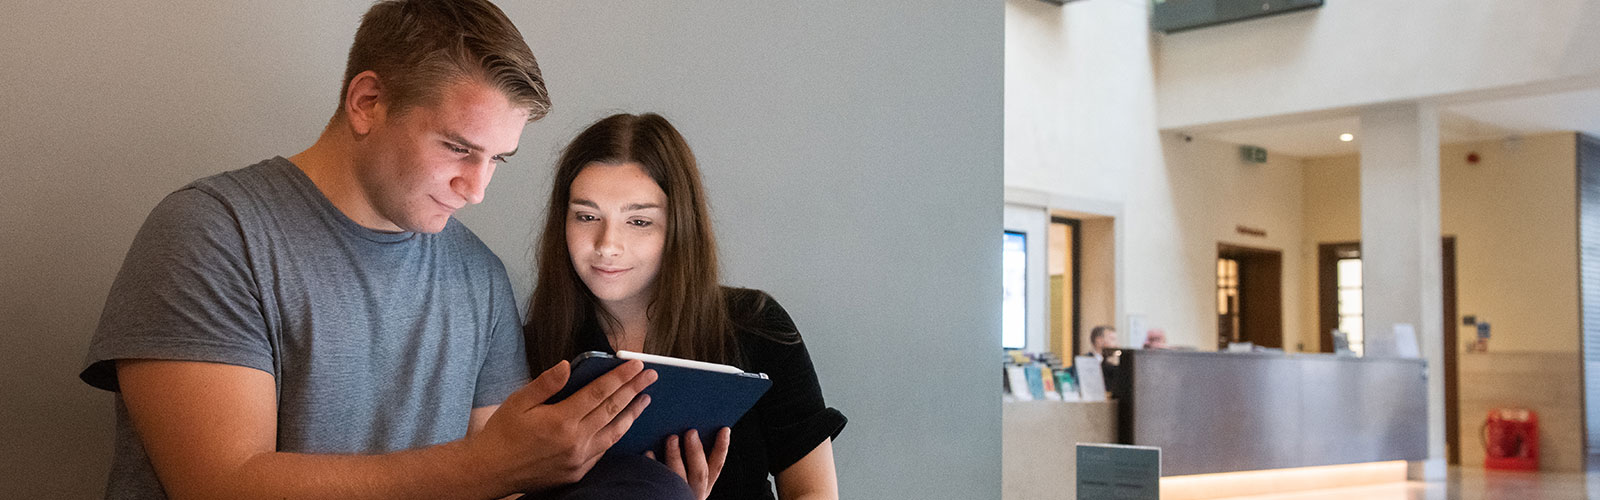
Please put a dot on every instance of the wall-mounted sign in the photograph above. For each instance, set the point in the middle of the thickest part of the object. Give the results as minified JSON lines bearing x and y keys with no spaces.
{"x":1250,"y":231}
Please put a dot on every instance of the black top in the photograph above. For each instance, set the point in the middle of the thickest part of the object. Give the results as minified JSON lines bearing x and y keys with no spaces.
{"x":788,"y":421}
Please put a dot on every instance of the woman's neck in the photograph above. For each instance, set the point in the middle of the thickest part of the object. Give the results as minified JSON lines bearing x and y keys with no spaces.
{"x":631,"y":327}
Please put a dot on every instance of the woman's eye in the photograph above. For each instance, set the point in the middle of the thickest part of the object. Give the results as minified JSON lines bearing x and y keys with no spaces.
{"x":640,"y":223}
{"x":585,"y":217}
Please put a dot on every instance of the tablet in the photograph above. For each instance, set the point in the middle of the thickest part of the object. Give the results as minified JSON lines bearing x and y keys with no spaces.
{"x":687,"y":394}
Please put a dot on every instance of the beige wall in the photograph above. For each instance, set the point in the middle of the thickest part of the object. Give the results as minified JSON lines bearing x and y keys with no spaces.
{"x":1213,"y":193}
{"x":1514,"y":216}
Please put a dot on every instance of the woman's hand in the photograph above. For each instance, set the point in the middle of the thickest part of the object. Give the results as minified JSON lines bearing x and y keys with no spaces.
{"x":691,"y":462}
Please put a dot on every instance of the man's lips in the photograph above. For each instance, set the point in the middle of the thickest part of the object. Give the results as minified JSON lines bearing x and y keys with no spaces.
{"x":445,"y":205}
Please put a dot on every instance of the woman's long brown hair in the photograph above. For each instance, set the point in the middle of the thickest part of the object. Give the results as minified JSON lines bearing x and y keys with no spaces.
{"x":688,"y":316}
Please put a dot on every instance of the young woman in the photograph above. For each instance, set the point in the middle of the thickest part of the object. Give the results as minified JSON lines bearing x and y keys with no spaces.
{"x":627,"y":261}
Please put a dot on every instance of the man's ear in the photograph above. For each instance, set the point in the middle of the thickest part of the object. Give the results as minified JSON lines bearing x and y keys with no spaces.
{"x":363,"y":102}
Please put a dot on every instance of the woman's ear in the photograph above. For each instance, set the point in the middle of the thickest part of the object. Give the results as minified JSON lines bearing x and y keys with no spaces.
{"x":363,"y":103}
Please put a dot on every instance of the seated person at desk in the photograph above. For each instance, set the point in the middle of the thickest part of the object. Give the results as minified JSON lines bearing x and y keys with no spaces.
{"x":627,"y":261}
{"x":1155,"y":340}
{"x":1103,"y":346}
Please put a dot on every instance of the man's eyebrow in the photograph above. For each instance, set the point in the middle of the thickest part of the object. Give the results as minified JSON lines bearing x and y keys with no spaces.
{"x":457,"y":138}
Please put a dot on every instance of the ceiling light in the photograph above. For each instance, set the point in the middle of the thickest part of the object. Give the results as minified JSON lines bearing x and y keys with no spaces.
{"x":1347,"y":137}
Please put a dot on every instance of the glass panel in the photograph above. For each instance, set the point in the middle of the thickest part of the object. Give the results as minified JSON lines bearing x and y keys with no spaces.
{"x":1349,"y":273}
{"x":1358,"y":346}
{"x":1222,"y":301}
{"x":1350,"y":302}
{"x":1351,"y":326}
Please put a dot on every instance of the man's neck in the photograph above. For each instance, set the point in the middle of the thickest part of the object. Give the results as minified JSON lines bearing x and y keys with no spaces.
{"x":329,"y":163}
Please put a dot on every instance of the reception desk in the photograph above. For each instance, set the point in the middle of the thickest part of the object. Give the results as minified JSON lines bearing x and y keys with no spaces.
{"x":1227,"y":412}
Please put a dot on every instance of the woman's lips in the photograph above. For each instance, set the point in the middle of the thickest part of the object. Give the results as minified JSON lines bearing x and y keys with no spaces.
{"x":610,"y":272}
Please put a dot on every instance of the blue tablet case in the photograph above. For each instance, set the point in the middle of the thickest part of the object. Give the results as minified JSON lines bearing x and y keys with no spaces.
{"x":680,"y":399}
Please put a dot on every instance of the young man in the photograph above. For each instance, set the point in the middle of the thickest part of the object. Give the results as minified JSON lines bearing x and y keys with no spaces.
{"x":321,"y":327}
{"x":1102,"y":339}
{"x":1102,"y":345}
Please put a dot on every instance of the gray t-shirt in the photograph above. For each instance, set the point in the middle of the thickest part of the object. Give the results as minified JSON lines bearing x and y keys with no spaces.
{"x":378,"y":341}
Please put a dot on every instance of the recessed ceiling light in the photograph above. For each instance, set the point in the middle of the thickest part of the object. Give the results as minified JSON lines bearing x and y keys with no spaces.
{"x":1347,"y":137}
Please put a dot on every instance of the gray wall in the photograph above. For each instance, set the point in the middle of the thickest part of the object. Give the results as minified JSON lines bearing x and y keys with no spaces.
{"x":852,"y":150}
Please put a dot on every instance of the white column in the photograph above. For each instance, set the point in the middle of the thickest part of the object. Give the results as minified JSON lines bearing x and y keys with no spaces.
{"x":1400,"y":248}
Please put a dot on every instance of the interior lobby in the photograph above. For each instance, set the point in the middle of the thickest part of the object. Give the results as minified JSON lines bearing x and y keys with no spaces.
{"x":1349,"y":181}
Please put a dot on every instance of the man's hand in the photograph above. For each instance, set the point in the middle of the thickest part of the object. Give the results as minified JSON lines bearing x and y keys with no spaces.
{"x":691,"y":462}
{"x":539,"y":446}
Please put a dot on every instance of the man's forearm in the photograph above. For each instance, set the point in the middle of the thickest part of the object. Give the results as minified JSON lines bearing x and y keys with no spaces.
{"x":440,"y":471}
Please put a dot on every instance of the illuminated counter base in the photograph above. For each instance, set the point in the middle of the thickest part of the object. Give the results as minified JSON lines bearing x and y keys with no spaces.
{"x":1228,"y":412}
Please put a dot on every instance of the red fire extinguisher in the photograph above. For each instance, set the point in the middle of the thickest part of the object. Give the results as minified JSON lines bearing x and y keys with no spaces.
{"x":1511,"y":439}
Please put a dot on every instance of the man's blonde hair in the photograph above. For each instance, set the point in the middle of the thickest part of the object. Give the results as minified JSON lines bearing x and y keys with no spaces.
{"x":419,"y":47}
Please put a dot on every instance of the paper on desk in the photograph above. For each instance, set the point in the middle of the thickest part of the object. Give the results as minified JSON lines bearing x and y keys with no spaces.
{"x":1405,"y":339}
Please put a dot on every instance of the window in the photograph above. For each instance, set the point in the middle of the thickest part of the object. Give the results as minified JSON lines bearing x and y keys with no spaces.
{"x":1349,"y":301}
{"x":1014,"y":305}
{"x":1227,"y":300}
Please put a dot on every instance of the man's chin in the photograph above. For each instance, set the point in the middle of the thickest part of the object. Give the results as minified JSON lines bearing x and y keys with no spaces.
{"x":428,"y":227}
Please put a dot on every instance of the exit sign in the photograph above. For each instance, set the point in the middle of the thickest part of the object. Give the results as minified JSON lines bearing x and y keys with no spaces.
{"x":1252,"y":154}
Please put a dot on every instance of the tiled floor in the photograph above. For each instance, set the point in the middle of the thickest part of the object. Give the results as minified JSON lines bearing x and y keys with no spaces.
{"x":1467,"y":484}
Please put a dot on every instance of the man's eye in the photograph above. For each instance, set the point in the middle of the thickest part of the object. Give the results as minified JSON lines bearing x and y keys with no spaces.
{"x":457,"y":149}
{"x":498,"y":159}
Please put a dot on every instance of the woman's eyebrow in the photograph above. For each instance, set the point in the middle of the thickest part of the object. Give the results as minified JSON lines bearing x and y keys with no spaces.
{"x":631,"y":207}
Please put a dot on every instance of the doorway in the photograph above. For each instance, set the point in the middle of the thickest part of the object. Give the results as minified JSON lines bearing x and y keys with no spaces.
{"x":1249,"y":296}
{"x":1066,"y":285}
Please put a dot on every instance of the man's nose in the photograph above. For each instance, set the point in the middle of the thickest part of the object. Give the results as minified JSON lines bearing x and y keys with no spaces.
{"x":473,"y":181}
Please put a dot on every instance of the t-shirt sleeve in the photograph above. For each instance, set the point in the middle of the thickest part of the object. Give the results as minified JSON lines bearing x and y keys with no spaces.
{"x":505,"y":365}
{"x":185,"y":292}
{"x":795,"y":419}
